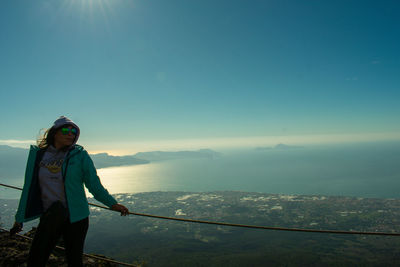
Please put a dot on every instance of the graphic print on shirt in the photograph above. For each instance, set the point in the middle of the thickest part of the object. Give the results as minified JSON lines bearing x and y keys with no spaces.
{"x":52,"y":165}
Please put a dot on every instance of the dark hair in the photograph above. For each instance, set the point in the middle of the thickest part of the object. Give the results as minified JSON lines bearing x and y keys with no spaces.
{"x":47,"y":138}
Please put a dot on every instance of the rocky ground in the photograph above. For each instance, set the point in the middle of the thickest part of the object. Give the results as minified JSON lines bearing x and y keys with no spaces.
{"x":14,"y":252}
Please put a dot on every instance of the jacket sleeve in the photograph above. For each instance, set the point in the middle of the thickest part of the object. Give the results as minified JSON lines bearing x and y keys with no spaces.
{"x":20,"y":215}
{"x":93,"y":184}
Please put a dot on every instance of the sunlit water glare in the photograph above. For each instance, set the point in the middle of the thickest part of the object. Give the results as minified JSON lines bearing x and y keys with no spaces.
{"x":137,"y":178}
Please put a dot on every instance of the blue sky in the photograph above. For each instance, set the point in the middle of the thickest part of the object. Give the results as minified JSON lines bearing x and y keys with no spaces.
{"x":139,"y":75}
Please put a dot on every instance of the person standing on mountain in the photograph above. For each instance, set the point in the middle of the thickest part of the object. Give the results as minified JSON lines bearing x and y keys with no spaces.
{"x":56,"y":172}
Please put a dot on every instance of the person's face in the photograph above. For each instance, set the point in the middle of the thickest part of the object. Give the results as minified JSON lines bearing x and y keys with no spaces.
{"x":64,"y":136}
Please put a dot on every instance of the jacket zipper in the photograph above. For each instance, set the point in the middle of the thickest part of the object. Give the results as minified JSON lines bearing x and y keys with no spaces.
{"x":64,"y":175}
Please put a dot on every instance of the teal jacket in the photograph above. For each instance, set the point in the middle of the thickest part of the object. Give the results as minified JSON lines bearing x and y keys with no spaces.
{"x":77,"y":170}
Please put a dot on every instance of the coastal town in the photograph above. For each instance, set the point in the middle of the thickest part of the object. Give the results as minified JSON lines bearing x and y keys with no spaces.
{"x":300,"y":211}
{"x":157,"y":241}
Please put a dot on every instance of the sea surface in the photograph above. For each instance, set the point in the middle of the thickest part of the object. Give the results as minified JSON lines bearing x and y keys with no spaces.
{"x":360,"y":170}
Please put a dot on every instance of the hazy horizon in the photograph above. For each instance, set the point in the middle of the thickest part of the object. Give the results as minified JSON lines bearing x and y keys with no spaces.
{"x":223,"y":143}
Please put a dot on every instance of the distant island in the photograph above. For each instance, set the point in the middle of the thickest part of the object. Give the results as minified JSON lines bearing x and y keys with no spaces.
{"x":278,"y":147}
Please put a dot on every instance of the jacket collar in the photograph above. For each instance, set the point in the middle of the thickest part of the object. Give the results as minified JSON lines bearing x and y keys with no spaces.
{"x":72,"y":151}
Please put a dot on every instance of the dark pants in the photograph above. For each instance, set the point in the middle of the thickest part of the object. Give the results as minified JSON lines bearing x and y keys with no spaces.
{"x":54,"y":223}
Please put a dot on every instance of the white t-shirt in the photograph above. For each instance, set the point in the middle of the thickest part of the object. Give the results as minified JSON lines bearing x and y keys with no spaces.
{"x":50,"y":177}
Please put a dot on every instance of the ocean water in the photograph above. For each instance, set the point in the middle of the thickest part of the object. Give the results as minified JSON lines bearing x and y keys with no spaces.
{"x":361,"y":170}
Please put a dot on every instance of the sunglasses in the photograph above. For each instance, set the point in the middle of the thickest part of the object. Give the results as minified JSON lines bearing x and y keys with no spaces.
{"x":65,"y":131}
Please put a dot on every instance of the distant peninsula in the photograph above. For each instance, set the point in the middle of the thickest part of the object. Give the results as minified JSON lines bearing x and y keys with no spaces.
{"x":278,"y":147}
{"x":13,"y":159}
{"x":104,"y":160}
{"x":166,"y":155}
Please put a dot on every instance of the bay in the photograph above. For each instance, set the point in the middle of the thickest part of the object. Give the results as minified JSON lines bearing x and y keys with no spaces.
{"x":362,"y":170}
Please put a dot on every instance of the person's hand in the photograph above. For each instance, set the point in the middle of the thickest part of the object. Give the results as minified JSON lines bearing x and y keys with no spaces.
{"x":121,"y":208}
{"x":17,"y":227}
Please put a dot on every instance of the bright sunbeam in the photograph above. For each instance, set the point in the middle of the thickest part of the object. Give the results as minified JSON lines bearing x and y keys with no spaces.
{"x":97,"y":13}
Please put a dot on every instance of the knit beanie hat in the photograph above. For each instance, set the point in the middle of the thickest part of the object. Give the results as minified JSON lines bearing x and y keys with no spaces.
{"x":62,"y":121}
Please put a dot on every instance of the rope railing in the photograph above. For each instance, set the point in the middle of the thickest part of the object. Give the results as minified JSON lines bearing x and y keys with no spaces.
{"x":84,"y":254}
{"x":246,"y":225}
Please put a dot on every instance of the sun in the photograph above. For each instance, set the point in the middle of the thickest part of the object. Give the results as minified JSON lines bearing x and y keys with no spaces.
{"x":91,"y":6}
{"x":99,"y":13}
{"x":88,"y":13}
